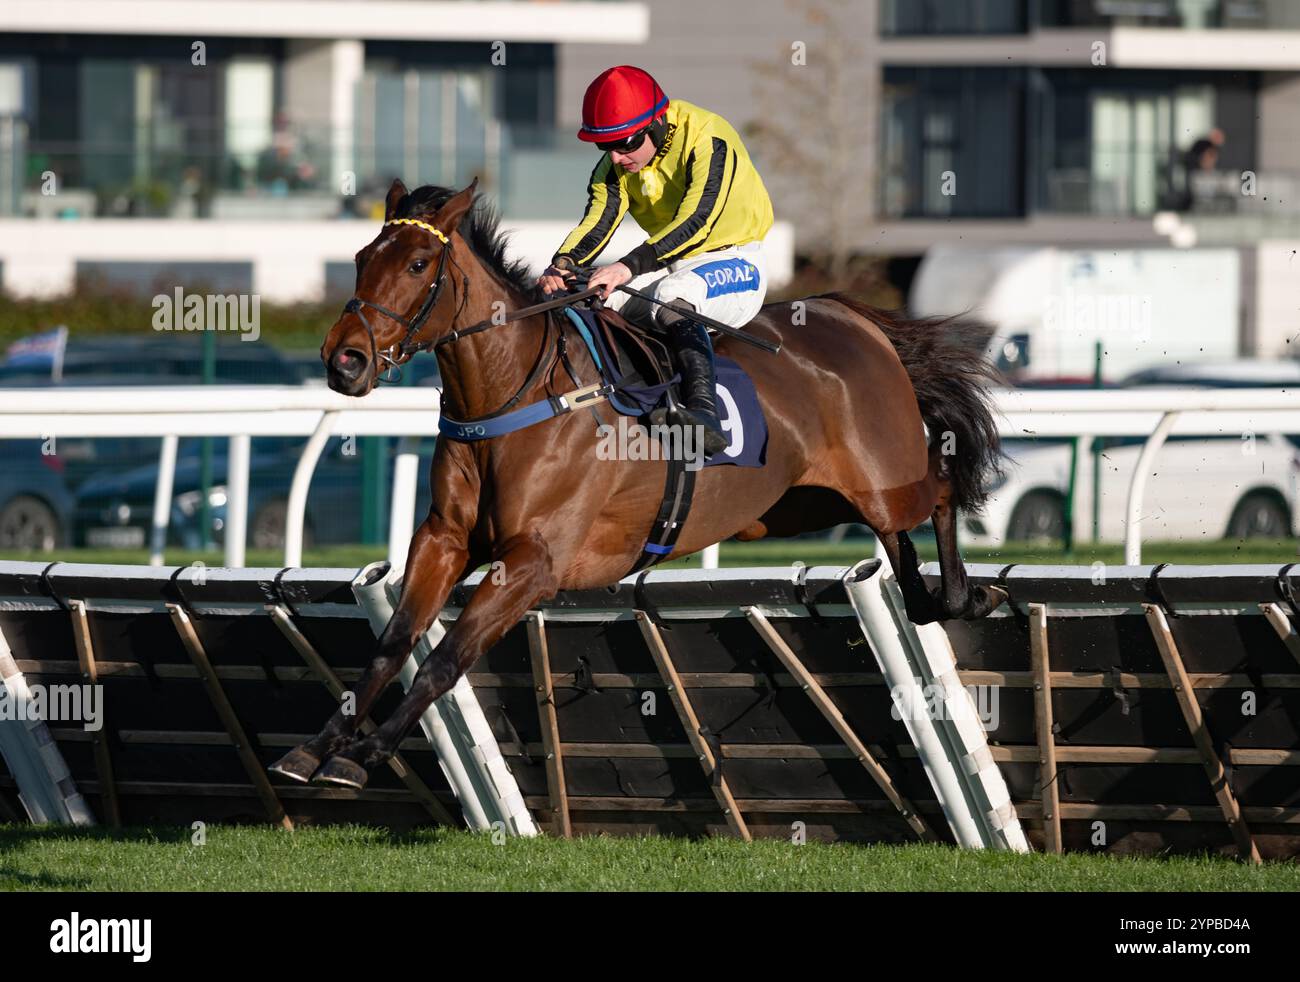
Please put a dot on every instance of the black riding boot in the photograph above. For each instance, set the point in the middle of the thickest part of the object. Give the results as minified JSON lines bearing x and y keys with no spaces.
{"x":699,"y":385}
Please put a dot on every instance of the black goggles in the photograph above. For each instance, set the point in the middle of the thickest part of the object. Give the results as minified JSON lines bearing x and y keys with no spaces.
{"x":629,"y":144}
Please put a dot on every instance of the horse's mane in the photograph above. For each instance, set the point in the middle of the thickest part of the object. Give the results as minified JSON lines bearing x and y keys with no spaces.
{"x":481,"y":228}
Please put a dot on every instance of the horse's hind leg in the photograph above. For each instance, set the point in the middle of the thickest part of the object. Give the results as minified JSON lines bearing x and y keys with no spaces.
{"x":954,"y":596}
{"x":922,"y":608}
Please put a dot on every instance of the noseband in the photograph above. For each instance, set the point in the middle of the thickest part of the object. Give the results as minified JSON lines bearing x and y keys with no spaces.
{"x":394,"y":355}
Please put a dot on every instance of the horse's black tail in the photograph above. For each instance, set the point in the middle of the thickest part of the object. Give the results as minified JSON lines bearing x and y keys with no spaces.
{"x":944,"y":357}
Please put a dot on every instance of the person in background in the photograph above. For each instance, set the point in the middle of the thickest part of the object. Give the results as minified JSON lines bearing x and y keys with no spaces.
{"x":1202,"y":157}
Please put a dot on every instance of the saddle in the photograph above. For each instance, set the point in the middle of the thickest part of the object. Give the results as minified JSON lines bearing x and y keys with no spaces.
{"x":637,"y":374}
{"x":634,"y":361}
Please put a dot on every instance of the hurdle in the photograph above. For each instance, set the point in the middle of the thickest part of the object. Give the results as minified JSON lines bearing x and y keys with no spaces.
{"x":45,"y":787}
{"x":1151,"y":709}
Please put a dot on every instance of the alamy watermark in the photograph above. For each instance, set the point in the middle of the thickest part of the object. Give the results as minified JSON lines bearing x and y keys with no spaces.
{"x":180,"y":311}
{"x":77,"y":935}
{"x":633,"y":441}
{"x":82,"y":704}
{"x":1112,"y":315}
{"x":937,"y":701}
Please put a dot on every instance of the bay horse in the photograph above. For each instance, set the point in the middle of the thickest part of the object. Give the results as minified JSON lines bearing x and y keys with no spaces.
{"x":846,"y":400}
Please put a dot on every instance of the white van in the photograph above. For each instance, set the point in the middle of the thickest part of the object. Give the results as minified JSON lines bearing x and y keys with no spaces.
{"x":1048,"y":306}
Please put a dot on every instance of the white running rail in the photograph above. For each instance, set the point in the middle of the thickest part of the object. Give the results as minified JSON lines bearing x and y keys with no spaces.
{"x":249,"y":411}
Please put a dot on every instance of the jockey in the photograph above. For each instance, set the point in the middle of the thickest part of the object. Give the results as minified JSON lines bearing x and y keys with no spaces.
{"x":686,"y":178}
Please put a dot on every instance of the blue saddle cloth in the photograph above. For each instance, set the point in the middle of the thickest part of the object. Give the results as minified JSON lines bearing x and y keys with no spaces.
{"x":739,"y":410}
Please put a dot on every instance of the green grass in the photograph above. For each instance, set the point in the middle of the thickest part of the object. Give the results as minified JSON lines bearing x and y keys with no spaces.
{"x":353,"y":858}
{"x":774,"y":552}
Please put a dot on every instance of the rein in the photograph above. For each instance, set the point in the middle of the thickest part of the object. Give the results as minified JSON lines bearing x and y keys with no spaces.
{"x":538,"y":364}
{"x":394,"y":355}
{"x":515,"y":315}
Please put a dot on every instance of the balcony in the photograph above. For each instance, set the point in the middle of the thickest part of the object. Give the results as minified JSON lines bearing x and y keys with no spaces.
{"x":1219,"y":211}
{"x":533,"y":172}
{"x":1194,"y":15}
{"x":939,"y":18}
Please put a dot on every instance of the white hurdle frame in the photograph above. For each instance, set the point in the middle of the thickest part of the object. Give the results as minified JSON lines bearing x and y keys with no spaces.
{"x":454,"y":724}
{"x":951,"y":743}
{"x":45,"y":785}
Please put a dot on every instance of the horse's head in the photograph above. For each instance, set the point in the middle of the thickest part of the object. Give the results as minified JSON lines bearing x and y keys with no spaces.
{"x":404,"y":296}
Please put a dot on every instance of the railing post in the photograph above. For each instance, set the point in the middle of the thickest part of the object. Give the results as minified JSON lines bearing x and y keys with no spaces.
{"x":296,"y":516}
{"x":162,"y":499}
{"x":1133,"y":522}
{"x":237,"y":499}
{"x":401,"y":516}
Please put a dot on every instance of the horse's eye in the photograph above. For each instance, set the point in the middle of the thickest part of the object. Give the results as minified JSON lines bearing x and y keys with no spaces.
{"x":419,"y":266}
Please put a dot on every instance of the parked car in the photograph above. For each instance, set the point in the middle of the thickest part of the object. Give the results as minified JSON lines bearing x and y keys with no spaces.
{"x":38,"y":502}
{"x":155,"y":359}
{"x":1241,"y":373}
{"x":35,"y":504}
{"x":1199,"y":489}
{"x":116,"y":510}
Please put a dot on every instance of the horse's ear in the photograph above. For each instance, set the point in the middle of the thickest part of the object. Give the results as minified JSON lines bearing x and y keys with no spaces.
{"x":451,"y":213}
{"x":395,"y":194}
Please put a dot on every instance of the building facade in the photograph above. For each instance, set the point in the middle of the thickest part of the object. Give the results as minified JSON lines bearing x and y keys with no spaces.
{"x":1011,"y":123}
{"x":240,"y":141}
{"x":243,"y":137}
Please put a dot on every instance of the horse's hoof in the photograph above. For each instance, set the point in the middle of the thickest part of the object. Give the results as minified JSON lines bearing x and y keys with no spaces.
{"x":985,"y":600}
{"x":998,"y":595}
{"x":297,"y":765}
{"x":343,"y":772}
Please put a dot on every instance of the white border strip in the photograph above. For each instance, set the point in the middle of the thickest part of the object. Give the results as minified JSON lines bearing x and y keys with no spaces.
{"x":415,"y":20}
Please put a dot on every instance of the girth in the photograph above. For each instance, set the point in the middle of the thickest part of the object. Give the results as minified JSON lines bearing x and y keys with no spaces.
{"x":679,"y":488}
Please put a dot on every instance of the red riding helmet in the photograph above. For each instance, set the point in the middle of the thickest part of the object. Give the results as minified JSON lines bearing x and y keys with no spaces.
{"x":620,"y":102}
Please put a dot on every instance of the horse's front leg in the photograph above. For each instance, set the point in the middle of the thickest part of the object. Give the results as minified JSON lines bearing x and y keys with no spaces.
{"x":497,"y":605}
{"x":438,"y":558}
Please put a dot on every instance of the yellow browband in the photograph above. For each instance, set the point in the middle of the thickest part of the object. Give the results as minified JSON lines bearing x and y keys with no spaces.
{"x":418,"y":224}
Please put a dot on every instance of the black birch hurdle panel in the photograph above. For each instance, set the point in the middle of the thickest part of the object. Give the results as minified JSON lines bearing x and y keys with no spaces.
{"x":577,"y":699}
{"x":1129,"y":768}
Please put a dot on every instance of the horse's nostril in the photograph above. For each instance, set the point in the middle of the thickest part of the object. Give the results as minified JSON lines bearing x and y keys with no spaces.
{"x":349,"y":361}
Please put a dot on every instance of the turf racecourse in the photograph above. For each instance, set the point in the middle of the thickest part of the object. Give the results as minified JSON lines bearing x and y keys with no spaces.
{"x":351,"y":858}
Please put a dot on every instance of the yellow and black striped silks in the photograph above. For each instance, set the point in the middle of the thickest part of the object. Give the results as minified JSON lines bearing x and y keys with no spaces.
{"x":699,"y":193}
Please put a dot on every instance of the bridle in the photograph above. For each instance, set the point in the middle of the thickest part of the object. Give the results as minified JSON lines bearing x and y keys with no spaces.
{"x":395,"y":355}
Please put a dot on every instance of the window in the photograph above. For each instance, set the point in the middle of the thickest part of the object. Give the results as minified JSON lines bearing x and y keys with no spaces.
{"x":904,"y":17}
{"x":1118,"y":143}
{"x":952,"y":143}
